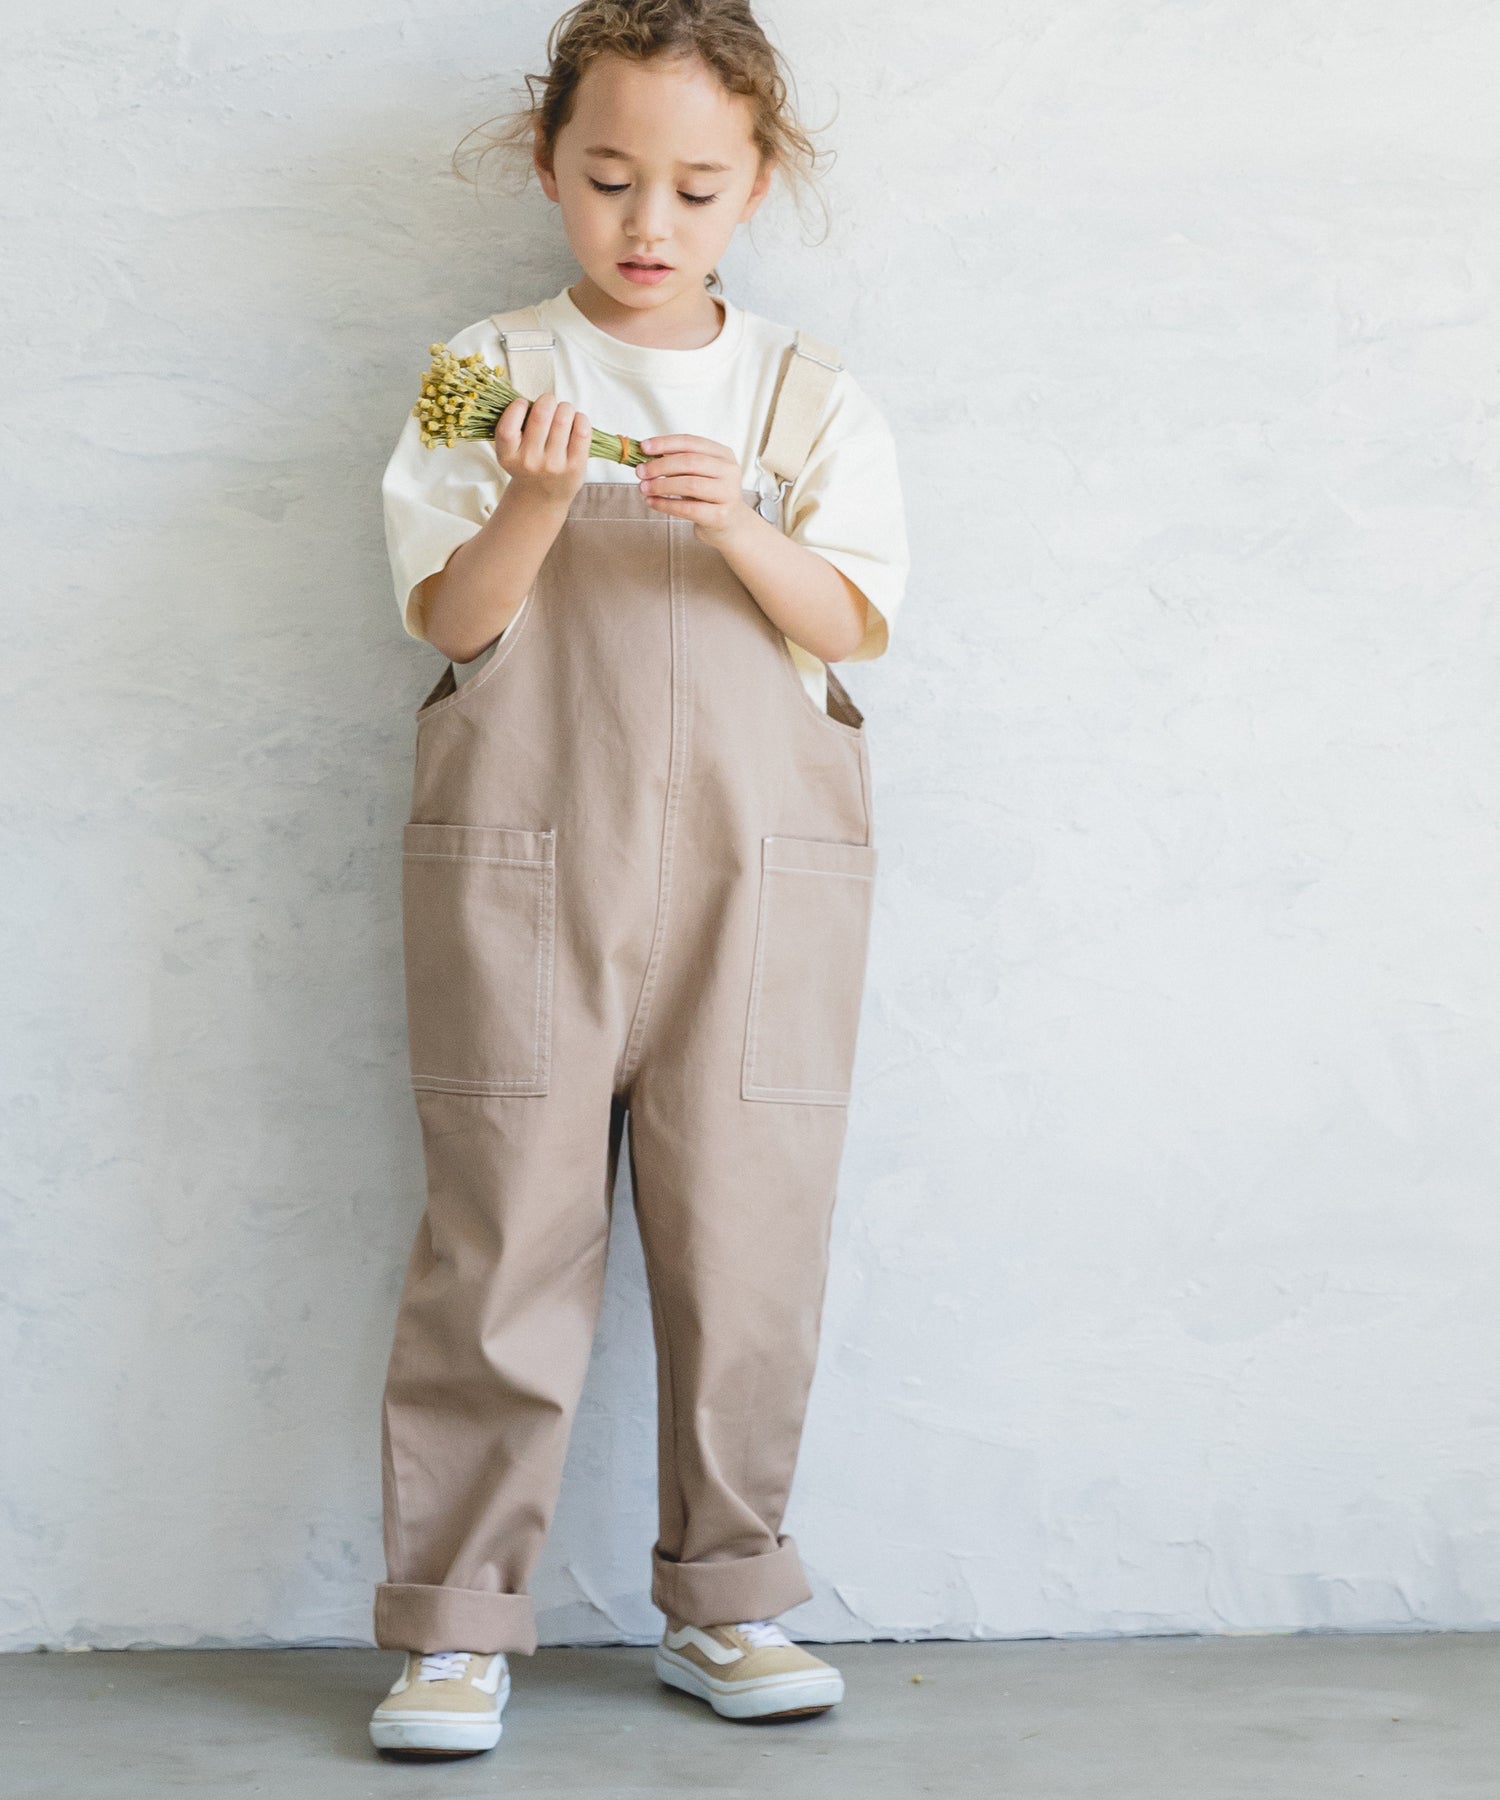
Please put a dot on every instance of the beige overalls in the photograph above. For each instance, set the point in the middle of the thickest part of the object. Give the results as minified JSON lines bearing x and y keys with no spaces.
{"x":637,"y":879}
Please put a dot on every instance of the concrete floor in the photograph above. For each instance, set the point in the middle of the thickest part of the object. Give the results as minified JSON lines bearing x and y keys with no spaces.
{"x":1274,"y":1717}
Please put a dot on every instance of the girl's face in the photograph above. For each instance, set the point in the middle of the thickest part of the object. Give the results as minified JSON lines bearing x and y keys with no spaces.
{"x":656,"y":164}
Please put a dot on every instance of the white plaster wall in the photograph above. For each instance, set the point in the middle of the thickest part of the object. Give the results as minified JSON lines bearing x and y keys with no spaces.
{"x":1164,"y":1294}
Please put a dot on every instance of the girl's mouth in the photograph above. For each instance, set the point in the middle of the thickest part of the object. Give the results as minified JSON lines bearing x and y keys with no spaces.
{"x":645,"y":272}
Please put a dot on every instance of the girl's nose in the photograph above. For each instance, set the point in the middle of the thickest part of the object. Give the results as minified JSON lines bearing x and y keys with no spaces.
{"x":647,"y":224}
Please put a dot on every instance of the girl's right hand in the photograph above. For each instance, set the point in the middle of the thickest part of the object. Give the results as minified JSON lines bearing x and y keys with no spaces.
{"x":543,"y":444}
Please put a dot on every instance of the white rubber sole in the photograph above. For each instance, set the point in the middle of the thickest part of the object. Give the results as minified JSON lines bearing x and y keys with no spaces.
{"x":768,"y":1697}
{"x":438,"y":1733}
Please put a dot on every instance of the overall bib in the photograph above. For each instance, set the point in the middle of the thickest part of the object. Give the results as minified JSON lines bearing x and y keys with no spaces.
{"x":637,"y":878}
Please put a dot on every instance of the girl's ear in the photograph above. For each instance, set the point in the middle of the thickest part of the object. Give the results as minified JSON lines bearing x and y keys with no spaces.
{"x":758,"y":190}
{"x":545,"y":173}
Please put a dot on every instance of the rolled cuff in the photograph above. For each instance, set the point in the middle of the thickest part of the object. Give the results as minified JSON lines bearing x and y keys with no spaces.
{"x":415,"y":1616}
{"x":726,"y":1593}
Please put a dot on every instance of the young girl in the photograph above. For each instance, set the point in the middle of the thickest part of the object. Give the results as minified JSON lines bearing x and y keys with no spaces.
{"x":637,"y":883}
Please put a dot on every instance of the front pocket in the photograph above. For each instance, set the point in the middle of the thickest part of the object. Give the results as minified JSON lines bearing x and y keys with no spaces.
{"x":811,"y":941}
{"x":479,"y":920}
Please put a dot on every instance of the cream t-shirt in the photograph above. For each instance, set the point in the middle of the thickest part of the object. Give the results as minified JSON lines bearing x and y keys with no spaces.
{"x":846,"y":504}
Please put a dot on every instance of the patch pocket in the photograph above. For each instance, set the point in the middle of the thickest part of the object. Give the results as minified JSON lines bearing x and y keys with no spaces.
{"x":479,"y":922}
{"x":811,"y":942}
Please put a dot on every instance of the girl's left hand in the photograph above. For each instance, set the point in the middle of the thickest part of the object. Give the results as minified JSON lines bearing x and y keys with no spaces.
{"x":695,"y":478}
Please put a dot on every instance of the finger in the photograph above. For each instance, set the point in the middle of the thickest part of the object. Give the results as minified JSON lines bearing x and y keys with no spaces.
{"x":512,"y":418}
{"x":682,"y":440}
{"x":661,"y":449}
{"x":546,"y":449}
{"x":697,"y":487}
{"x":560,"y":427}
{"x":538,"y":418}
{"x":687,"y":509}
{"x":687,"y":462}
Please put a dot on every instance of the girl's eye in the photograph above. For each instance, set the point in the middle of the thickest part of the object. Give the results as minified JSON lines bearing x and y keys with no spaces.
{"x":620,"y":187}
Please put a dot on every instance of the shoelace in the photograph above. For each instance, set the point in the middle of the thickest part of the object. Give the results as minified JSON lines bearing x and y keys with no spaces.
{"x":763,"y":1633}
{"x":444,"y":1665}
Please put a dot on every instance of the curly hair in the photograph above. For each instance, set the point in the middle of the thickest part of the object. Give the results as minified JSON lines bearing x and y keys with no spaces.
{"x":723,"y":34}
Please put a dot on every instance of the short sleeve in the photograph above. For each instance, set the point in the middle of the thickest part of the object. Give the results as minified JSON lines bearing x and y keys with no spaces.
{"x":847,"y":505}
{"x":436,"y":499}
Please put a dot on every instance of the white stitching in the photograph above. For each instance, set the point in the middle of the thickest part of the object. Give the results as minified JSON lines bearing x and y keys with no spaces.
{"x":747,"y":1077}
{"x":750,"y":1088}
{"x":803,"y":869}
{"x":547,"y":933}
{"x":678,"y":765}
{"x":538,"y":1081}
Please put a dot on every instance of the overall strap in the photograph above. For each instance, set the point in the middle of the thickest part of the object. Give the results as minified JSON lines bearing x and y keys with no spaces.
{"x":807,"y":377}
{"x":797,"y":409}
{"x":527,"y":347}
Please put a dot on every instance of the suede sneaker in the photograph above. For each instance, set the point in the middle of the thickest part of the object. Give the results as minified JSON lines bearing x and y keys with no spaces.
{"x":443,"y":1703}
{"x":747,"y":1671}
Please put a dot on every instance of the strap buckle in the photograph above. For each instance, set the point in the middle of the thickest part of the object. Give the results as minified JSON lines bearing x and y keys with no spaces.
{"x":780,"y":491}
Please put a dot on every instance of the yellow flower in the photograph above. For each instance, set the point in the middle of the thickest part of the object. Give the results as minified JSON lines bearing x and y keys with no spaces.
{"x":463,"y":397}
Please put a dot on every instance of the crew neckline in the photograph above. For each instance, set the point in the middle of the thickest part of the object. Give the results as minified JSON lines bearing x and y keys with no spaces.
{"x":660,"y":365}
